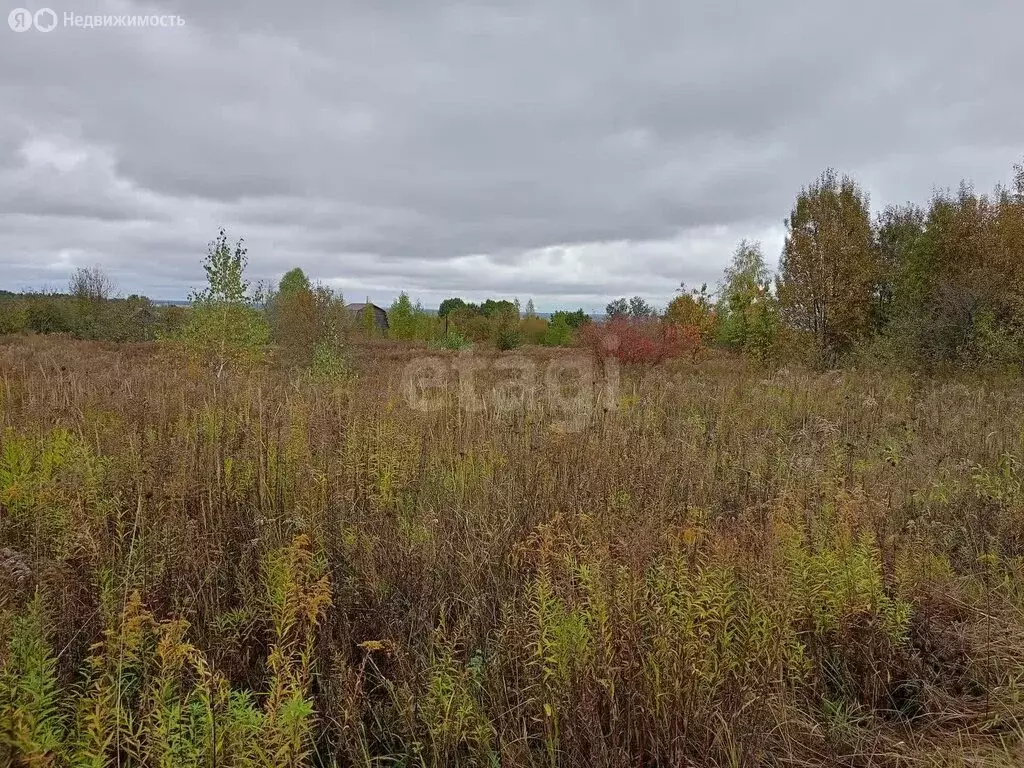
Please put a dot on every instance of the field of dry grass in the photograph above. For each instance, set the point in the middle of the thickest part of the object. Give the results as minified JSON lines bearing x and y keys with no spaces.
{"x":720,"y":566}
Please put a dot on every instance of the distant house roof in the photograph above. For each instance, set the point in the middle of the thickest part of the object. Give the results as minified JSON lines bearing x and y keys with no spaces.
{"x":380,"y":315}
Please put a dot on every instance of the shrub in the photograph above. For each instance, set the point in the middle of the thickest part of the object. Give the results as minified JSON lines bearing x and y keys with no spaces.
{"x":451,"y":340}
{"x":507,"y":338}
{"x":13,"y":315}
{"x":532,"y":329}
{"x":558,"y":333}
{"x":296,"y":326}
{"x":574,"y":320}
{"x":329,"y":360}
{"x":49,"y":314}
{"x":641,"y":342}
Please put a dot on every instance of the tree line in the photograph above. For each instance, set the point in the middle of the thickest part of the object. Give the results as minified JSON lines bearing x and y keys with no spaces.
{"x":934,"y":284}
{"x":940,"y":283}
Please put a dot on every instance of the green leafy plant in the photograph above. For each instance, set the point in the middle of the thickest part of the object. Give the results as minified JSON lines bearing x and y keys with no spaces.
{"x":33,"y":718}
{"x":224,"y":327}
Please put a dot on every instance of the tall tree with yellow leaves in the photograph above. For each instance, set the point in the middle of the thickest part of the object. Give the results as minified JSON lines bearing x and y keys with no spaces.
{"x":828,"y":265}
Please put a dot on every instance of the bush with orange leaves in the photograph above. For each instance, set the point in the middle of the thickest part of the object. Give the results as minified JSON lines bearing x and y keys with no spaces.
{"x":648,"y":341}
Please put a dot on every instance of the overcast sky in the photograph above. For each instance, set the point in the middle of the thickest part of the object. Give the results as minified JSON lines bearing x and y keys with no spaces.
{"x":562,"y":150}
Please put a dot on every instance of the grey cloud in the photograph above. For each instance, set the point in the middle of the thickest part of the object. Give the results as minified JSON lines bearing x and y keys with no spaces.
{"x":451,"y":147}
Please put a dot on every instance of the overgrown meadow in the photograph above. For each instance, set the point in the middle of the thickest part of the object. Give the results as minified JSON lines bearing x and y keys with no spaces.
{"x":726,"y":566}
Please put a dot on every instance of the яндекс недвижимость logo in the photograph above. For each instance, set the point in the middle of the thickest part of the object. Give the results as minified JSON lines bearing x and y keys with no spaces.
{"x":22,"y":19}
{"x":45,"y":20}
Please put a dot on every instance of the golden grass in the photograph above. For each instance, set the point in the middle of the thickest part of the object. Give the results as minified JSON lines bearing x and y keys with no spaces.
{"x":731,"y":567}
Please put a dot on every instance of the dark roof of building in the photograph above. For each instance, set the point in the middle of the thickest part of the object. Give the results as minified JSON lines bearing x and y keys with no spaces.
{"x":359,"y":307}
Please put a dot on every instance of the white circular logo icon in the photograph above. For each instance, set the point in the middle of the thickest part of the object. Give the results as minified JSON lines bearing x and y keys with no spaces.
{"x":20,"y":20}
{"x":45,"y":19}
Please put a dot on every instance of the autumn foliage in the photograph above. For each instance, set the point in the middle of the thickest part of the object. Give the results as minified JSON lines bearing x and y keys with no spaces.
{"x":647,"y":341}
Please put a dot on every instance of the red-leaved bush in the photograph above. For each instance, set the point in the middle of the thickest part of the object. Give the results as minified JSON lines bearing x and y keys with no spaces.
{"x":644,"y":342}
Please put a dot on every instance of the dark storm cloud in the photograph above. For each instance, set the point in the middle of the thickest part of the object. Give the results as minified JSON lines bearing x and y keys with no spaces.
{"x":563,"y":150}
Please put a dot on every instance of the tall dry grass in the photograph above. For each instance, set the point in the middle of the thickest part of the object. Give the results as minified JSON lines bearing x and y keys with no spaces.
{"x":730,"y":568}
